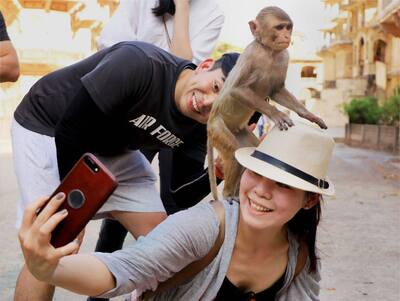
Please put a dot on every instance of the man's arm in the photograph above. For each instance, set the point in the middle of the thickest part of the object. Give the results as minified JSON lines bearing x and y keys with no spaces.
{"x":9,"y":66}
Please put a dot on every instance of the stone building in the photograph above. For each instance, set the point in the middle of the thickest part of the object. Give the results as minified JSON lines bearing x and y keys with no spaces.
{"x":361,"y":56}
{"x":304,"y":77}
{"x":48,"y":34}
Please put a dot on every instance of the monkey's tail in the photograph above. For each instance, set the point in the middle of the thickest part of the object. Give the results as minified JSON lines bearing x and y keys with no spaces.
{"x":211,"y":171}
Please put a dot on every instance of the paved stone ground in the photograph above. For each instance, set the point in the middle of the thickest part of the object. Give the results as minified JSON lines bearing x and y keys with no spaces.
{"x":360,"y":232}
{"x":359,"y":239}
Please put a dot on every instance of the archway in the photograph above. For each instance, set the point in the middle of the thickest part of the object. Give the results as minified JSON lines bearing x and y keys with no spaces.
{"x":380,"y":51}
{"x":308,"y":72}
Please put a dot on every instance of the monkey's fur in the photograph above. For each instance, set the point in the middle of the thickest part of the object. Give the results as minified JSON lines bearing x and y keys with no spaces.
{"x":259,"y":74}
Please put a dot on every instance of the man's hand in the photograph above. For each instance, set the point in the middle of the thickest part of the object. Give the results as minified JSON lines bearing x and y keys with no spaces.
{"x":251,"y":127}
{"x":219,"y":168}
{"x":34,"y":235}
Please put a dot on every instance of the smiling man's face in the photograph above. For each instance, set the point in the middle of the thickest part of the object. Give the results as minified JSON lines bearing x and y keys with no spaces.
{"x":199,"y":90}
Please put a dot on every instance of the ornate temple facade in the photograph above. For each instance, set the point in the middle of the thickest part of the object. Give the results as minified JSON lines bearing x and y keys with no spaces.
{"x":48,"y":34}
{"x":361,"y":56}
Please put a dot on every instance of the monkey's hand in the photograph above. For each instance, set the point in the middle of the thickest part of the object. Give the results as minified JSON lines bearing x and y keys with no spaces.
{"x":281,"y":119}
{"x":313,"y":118}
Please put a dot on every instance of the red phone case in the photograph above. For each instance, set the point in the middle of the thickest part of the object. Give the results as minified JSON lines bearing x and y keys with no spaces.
{"x":87,"y":186}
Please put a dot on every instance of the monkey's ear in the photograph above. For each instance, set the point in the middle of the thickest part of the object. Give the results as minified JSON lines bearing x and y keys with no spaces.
{"x":253,"y":27}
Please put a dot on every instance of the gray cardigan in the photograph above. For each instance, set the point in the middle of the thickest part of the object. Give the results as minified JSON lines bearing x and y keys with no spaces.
{"x":188,"y":236}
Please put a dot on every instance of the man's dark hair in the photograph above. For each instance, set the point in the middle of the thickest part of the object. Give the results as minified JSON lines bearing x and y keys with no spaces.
{"x":226,"y":62}
{"x":164,"y":7}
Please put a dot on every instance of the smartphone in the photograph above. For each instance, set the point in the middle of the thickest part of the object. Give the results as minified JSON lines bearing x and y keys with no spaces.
{"x":87,"y":186}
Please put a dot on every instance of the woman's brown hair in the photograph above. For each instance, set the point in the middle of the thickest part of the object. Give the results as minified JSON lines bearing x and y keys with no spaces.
{"x":304,"y":225}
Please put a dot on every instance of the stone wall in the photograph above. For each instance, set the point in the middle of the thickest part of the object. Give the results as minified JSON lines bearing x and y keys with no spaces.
{"x":329,"y":108}
{"x":378,"y":137}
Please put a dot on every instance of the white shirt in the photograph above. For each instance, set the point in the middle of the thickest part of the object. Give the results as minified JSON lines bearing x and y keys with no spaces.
{"x":134,"y":20}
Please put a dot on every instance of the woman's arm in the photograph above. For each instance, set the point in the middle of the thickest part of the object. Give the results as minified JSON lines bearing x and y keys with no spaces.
{"x":196,"y":42}
{"x":206,"y":21}
{"x":181,"y":239}
{"x":180,"y":41}
{"x":83,"y":274}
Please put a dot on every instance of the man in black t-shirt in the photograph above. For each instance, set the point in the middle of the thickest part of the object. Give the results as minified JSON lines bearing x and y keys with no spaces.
{"x":9,"y":66}
{"x":132,"y":95}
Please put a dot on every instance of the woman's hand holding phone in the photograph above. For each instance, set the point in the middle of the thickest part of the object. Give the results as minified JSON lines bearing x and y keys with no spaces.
{"x":35,"y":234}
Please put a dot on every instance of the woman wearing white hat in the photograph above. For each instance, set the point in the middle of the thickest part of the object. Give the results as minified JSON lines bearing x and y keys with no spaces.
{"x":260,"y":247}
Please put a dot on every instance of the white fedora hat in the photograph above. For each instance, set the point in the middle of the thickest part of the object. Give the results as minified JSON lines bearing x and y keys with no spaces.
{"x":298,"y":157}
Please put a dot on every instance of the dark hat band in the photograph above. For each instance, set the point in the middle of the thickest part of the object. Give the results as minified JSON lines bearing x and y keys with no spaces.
{"x":290,"y":169}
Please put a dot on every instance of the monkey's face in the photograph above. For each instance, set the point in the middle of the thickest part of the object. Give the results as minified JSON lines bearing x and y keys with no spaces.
{"x":275,"y":33}
{"x":267,"y":203}
{"x":199,"y":90}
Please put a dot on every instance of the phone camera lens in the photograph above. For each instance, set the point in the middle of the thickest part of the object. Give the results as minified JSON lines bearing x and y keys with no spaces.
{"x":92,"y":165}
{"x":76,"y":198}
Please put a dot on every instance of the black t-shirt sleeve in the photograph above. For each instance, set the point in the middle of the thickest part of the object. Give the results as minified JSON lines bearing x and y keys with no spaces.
{"x":3,"y":29}
{"x":84,"y":128}
{"x":124,"y":73}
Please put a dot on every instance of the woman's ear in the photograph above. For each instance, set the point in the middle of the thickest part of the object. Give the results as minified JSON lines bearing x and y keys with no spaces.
{"x":312,"y":200}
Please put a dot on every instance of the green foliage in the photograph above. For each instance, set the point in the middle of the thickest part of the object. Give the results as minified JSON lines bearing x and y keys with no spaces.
{"x":222,"y":48}
{"x":397,"y":91}
{"x":363,"y":110}
{"x":391,"y":111}
{"x":366,"y":110}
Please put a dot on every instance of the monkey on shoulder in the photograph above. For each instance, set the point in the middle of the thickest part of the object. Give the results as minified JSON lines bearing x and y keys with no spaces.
{"x":259,"y":75}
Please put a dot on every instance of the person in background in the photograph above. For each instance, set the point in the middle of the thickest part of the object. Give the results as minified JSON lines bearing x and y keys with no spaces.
{"x":9,"y":66}
{"x":188,"y":29}
{"x":265,"y":240}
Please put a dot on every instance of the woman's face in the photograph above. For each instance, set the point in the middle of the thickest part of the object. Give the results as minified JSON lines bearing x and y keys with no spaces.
{"x":265,"y":203}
